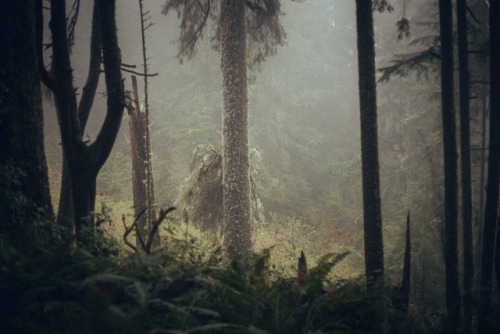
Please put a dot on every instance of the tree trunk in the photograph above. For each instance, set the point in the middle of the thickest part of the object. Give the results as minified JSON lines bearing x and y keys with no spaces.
{"x":495,"y":120}
{"x":406,"y":281}
{"x":24,"y":186}
{"x":137,"y":131}
{"x":65,"y":211}
{"x":236,"y":180}
{"x":373,"y":237}
{"x":65,"y":214}
{"x":467,"y":231}
{"x":450,"y":168}
{"x":84,"y":161}
{"x":492,"y":183}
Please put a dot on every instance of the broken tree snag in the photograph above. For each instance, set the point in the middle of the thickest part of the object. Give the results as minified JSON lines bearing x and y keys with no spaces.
{"x":138,"y":150}
{"x":302,"y":269}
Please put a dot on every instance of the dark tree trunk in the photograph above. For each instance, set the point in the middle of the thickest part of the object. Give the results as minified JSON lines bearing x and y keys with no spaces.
{"x":24,"y":186}
{"x":236,"y":179}
{"x":450,"y":168}
{"x":495,"y":119}
{"x":492,"y":183}
{"x":84,"y":161}
{"x":65,"y":214}
{"x":406,"y":281}
{"x":467,"y":231}
{"x":373,"y":237}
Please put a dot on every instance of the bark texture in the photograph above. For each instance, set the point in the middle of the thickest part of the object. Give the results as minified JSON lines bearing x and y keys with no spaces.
{"x":372,"y":215}
{"x":65,"y":214}
{"x":24,"y":186}
{"x":490,"y":228}
{"x":236,"y":180}
{"x":84,"y":161}
{"x":465,"y":163}
{"x":450,"y":168}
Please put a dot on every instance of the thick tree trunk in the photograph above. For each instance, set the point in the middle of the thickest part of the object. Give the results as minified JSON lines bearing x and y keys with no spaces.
{"x":492,"y":186}
{"x":85,"y":161}
{"x":236,"y":180}
{"x":495,"y":120}
{"x":65,"y":214}
{"x":65,"y":211}
{"x":373,"y":237}
{"x":450,"y":167}
{"x":465,"y":162}
{"x":24,"y":186}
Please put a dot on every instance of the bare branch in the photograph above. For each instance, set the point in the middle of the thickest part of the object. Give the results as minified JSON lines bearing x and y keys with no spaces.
{"x":140,"y":74}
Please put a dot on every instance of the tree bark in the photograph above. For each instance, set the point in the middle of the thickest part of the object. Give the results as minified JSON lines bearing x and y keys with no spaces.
{"x":495,"y":120}
{"x":450,"y":168}
{"x":24,"y":185}
{"x":236,"y":180}
{"x":465,"y":162}
{"x":373,"y":236}
{"x":84,"y":161}
{"x":137,"y":131}
{"x":492,"y":183}
{"x":65,"y":214}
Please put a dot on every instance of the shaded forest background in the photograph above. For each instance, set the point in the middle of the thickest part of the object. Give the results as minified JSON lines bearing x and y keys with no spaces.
{"x":304,"y":128}
{"x":314,"y":174}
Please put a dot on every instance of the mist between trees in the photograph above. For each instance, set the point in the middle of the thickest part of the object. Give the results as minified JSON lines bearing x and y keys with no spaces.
{"x":304,"y":124}
{"x":305,"y":175}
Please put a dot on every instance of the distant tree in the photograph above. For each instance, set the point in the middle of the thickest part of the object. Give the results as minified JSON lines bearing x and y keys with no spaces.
{"x":465,"y":163}
{"x":239,"y":37}
{"x":372,"y":214}
{"x":24,"y":186}
{"x":450,"y":167}
{"x":490,"y":228}
{"x":85,"y":159}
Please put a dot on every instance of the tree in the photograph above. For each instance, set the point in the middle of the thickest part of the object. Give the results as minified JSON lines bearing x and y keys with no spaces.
{"x":65,"y":212}
{"x":235,"y":173}
{"x":372,"y":214}
{"x":235,"y":45}
{"x":490,"y":228}
{"x":85,"y":159}
{"x":450,"y":166}
{"x":465,"y":163}
{"x":24,"y":186}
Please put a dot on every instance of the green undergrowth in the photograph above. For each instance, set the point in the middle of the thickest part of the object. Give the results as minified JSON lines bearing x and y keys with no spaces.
{"x":49,"y":286}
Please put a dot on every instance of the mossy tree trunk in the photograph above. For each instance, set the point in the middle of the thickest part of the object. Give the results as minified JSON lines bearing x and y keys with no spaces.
{"x":24,"y":186}
{"x":236,"y":179}
{"x":372,"y":214}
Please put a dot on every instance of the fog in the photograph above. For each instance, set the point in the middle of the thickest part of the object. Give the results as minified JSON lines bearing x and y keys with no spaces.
{"x":303,"y":116}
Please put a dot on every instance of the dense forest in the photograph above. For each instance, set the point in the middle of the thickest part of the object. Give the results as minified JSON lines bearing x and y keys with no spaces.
{"x":250,"y":166}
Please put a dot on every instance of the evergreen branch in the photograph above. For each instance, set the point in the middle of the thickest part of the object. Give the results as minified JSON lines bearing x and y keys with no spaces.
{"x":419,"y":62}
{"x":187,"y":47}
